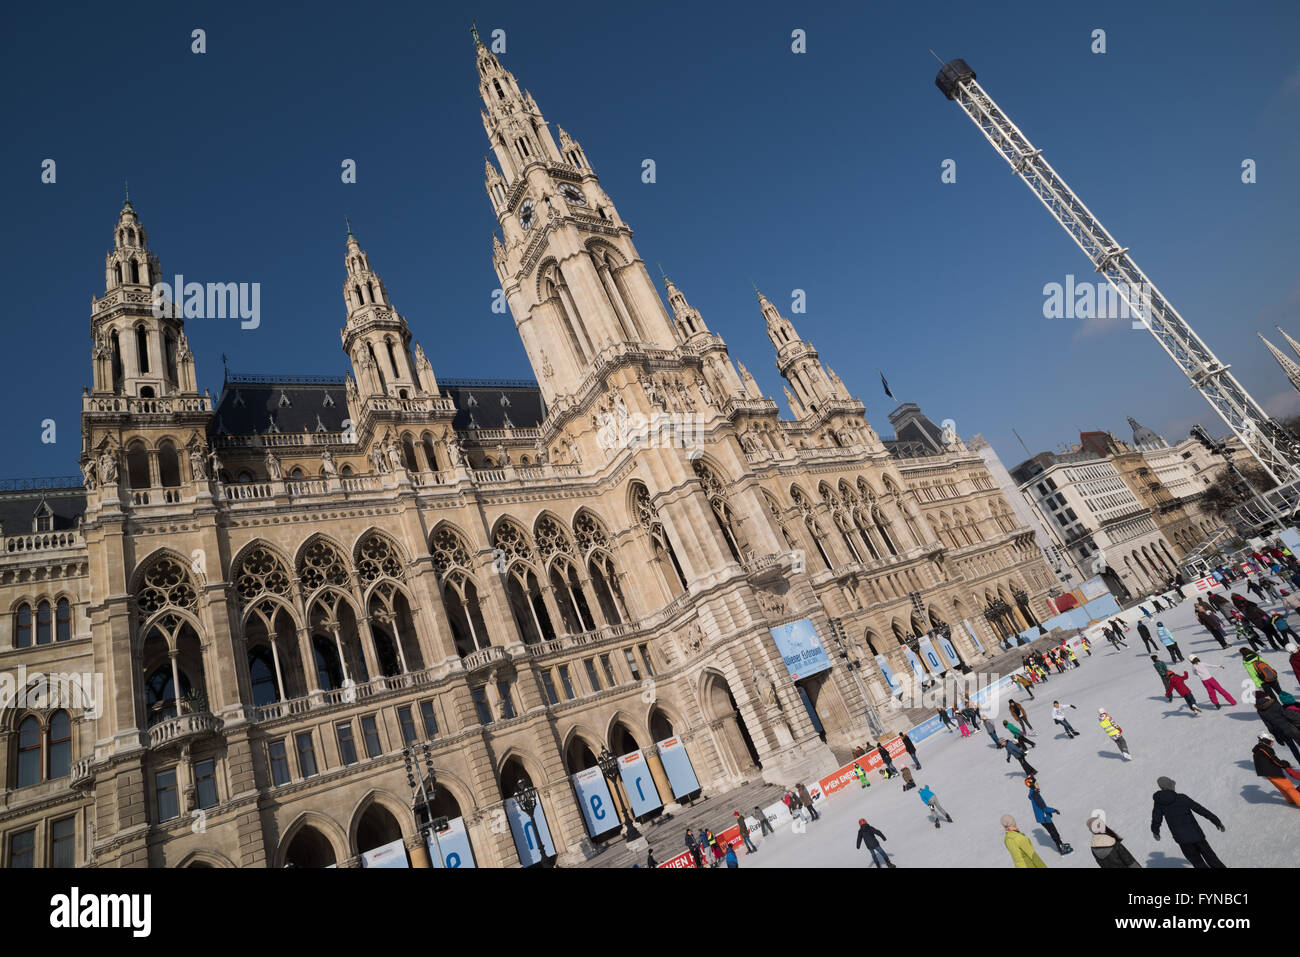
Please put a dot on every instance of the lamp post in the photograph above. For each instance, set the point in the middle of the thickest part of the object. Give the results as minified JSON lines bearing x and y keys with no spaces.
{"x":837,"y":633}
{"x":609,"y":767}
{"x":424,"y":788}
{"x":526,"y":797}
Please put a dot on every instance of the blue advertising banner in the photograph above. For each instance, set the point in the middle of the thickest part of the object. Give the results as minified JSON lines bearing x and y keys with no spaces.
{"x":677,"y":765}
{"x":597,"y":805}
{"x":950,"y":650}
{"x":525,"y":836}
{"x":451,"y":849}
{"x":973,"y":637}
{"x":915,"y":662}
{"x":931,"y":656}
{"x":638,"y":784}
{"x":801,"y":649}
{"x":883,"y":664}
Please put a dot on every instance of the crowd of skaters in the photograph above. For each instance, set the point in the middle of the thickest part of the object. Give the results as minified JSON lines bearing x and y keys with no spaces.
{"x":1224,"y":617}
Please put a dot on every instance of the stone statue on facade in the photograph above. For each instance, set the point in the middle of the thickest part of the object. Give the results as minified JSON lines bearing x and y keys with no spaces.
{"x":394,"y":454}
{"x":273,"y":469}
{"x":453,"y":451}
{"x":326,"y":463}
{"x":503,"y":456}
{"x":377,"y":459}
{"x":107,"y":467}
{"x":88,"y":474}
{"x":198,"y":463}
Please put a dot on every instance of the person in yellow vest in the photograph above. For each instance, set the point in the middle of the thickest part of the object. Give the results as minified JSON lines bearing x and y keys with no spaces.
{"x":1021,"y":849}
{"x":861,"y":775}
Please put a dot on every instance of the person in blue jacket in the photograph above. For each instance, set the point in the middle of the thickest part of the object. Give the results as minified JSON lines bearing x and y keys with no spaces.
{"x":932,"y":802}
{"x":1043,"y":815}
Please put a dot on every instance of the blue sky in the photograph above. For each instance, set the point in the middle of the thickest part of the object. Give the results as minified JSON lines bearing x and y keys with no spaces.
{"x":818,"y":172}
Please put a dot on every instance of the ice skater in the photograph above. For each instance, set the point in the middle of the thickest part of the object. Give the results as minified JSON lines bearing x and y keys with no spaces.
{"x":1294,"y":660}
{"x":764,"y":828}
{"x":1114,"y":732}
{"x":992,"y":729}
{"x":932,"y":802}
{"x":1015,"y":751}
{"x":860,"y":773}
{"x":1108,"y":848}
{"x":743,"y":826}
{"x":1261,"y":673}
{"x":1279,"y":773}
{"x":1279,"y":623}
{"x":1020,"y":715}
{"x":1058,"y":717}
{"x":1162,"y":670}
{"x":947,"y":721}
{"x":1178,"y":686}
{"x":1282,"y":723}
{"x":1014,"y":730}
{"x":1043,"y":815}
{"x":867,"y":835}
{"x":1177,"y":810}
{"x":1145,"y":633}
{"x":1020,"y":847}
{"x":910,"y":748}
{"x":1167,"y":639}
{"x":886,"y":759}
{"x":1212,"y":686}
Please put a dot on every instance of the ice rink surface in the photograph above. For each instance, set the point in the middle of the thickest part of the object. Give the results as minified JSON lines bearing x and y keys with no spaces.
{"x":1208,"y":756}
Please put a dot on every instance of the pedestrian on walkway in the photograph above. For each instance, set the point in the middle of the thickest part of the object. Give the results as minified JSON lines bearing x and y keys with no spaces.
{"x":1210,"y":622}
{"x":1020,"y":715}
{"x":1279,"y":773}
{"x":1261,"y":621}
{"x":1043,"y":815}
{"x":1178,"y":686}
{"x":1015,"y":751}
{"x":1025,"y":684}
{"x":1145,"y":634}
{"x":910,"y":747}
{"x":885,"y":758}
{"x":1167,"y":639}
{"x":867,"y":835}
{"x":1282,"y":723}
{"x":1113,"y":731}
{"x":1108,"y":848}
{"x":1021,"y":849}
{"x":1177,"y":810}
{"x":1254,"y":589}
{"x":932,"y":802}
{"x":650,"y":858}
{"x":947,"y":721}
{"x":1212,"y":686}
{"x":744,"y":833}
{"x":1058,"y":717}
{"x":807,"y":800}
{"x":992,"y":729}
{"x":1279,"y":624}
{"x":1261,"y":673}
{"x":961,"y":723}
{"x":764,"y":827}
{"x":716,"y":846}
{"x":730,"y":857}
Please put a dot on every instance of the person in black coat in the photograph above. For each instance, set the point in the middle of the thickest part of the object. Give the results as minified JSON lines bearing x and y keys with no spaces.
{"x":1108,"y":848}
{"x":1282,"y":723}
{"x":888,"y":761}
{"x":1145,"y":632}
{"x":867,"y":835}
{"x":1272,"y":768}
{"x":911,"y":749}
{"x":1014,"y":751}
{"x":1178,"y":810}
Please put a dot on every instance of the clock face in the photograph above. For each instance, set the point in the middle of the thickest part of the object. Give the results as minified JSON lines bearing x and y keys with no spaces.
{"x":573,"y":194}
{"x":526,"y":214}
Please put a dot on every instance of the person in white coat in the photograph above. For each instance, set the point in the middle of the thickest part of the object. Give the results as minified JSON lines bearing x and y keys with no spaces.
{"x":1058,"y":717}
{"x":1212,"y":686}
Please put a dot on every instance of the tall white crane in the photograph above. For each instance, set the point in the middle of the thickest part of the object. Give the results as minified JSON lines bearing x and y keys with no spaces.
{"x":1273,"y":446}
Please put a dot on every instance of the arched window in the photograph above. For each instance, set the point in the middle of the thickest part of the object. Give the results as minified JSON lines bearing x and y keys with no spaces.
{"x":29,"y":752}
{"x":717,"y":496}
{"x":44,"y":622}
{"x":261,"y":673}
{"x":169,"y":465}
{"x":169,"y":344}
{"x":137,"y":465}
{"x":23,"y":626}
{"x":142,"y":348}
{"x":60,"y":745}
{"x":117,"y":360}
{"x":648,"y":518}
{"x":452,"y":560}
{"x":392,"y":358}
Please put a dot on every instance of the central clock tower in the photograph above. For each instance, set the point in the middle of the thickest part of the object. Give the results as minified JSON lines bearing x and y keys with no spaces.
{"x":575,"y":284}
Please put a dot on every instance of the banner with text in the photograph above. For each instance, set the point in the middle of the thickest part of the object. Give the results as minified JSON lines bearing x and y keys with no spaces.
{"x":677,"y":765}
{"x":801,"y":649}
{"x":638,"y":784}
{"x":451,"y":850}
{"x":598,"y":810}
{"x":526,"y":836}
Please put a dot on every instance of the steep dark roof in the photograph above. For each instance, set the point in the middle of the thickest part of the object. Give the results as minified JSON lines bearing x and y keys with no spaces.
{"x":17,"y":508}
{"x":249,"y":404}
{"x":487,"y":403}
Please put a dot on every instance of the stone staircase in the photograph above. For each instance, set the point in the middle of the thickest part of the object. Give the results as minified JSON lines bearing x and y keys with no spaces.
{"x":666,"y":834}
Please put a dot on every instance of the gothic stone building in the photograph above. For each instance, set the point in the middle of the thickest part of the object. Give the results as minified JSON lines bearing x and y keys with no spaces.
{"x":280,"y":591}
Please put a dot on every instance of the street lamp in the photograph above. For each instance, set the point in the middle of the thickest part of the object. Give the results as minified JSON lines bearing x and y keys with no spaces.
{"x":526,"y":797}
{"x":609,"y":767}
{"x":425,"y":787}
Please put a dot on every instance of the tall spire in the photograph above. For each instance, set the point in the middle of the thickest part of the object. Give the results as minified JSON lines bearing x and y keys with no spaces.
{"x":473,"y":31}
{"x":1289,"y":365}
{"x":1295,"y":346}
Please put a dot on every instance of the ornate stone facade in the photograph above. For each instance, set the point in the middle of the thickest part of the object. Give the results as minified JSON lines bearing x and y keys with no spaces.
{"x":282,"y":590}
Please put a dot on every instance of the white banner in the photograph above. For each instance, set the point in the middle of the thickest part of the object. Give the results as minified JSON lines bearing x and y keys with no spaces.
{"x":390,"y":855}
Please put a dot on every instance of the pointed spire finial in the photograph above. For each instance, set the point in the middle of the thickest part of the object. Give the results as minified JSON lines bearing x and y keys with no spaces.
{"x":127,"y":188}
{"x":349,"y":222}
{"x":473,"y":29}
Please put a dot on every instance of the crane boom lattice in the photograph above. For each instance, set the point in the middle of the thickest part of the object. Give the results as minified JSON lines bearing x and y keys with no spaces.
{"x":1271,"y":445}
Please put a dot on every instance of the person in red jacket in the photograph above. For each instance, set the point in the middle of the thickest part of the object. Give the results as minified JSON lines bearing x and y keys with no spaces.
{"x":1295,"y":658}
{"x":1178,"y":684}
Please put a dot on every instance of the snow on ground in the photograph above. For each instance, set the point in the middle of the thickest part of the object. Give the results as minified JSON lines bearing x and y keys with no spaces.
{"x":1209,"y":757}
